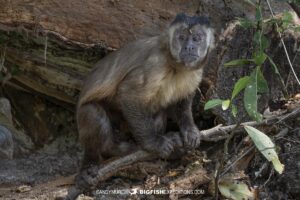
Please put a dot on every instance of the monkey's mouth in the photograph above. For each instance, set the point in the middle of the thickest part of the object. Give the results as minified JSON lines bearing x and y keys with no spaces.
{"x":188,"y":58}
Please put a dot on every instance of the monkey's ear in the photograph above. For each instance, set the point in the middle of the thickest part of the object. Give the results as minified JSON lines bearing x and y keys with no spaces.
{"x":180,"y":17}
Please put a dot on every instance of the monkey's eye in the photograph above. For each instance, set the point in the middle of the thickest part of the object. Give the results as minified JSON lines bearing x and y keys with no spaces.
{"x":197,"y":38}
{"x":181,"y":37}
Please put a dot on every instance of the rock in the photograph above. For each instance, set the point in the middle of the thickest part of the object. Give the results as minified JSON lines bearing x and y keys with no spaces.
{"x":6,"y":144}
{"x":12,"y":141}
{"x":6,"y":139}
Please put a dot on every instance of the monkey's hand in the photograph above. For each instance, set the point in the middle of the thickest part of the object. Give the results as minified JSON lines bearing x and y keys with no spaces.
{"x":165,"y":144}
{"x":191,"y":137}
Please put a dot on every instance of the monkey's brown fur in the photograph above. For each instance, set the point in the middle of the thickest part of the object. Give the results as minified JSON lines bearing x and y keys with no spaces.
{"x":138,"y":86}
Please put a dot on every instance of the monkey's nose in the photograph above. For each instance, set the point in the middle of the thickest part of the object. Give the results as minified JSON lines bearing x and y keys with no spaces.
{"x":189,"y":48}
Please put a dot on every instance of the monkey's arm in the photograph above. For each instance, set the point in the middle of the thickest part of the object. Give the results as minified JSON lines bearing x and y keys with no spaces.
{"x":144,"y":130}
{"x":184,"y":118}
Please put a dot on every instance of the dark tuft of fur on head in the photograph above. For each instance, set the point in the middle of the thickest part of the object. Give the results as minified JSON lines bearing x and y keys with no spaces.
{"x":190,"y":20}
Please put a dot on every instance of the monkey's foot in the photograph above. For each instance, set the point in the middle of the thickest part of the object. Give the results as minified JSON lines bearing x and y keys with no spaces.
{"x":86,"y":178}
{"x":191,"y":137}
{"x":176,"y":138}
{"x":166,"y":144}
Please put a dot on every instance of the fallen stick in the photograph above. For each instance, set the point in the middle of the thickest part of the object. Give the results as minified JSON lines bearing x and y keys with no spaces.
{"x":108,"y":170}
{"x":214,"y":134}
{"x":221,"y":132}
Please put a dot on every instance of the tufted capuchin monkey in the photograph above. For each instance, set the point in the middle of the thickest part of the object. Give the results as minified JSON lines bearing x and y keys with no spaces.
{"x":126,"y":99}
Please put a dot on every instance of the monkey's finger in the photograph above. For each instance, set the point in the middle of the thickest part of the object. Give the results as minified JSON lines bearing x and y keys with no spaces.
{"x":177,"y":140}
{"x":198,"y":141}
{"x":185,"y":139}
{"x":165,"y":149}
{"x":170,"y":147}
{"x":194,"y":141}
{"x":165,"y":152}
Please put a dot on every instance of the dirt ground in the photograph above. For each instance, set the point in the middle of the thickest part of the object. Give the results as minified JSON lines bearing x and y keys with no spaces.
{"x":40,"y":174}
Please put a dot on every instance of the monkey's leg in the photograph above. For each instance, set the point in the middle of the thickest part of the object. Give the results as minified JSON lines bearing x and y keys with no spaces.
{"x":160,"y":122}
{"x":95,"y":132}
{"x":182,"y":113}
{"x":97,"y":135}
{"x":98,"y":139}
{"x":146,"y":131}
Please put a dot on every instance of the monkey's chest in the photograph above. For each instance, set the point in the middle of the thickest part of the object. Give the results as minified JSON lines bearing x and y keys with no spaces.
{"x":172,"y":87}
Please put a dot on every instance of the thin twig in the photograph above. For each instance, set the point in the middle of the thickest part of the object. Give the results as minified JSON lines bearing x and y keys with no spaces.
{"x":228,"y":139}
{"x":222,"y":132}
{"x":294,"y":112}
{"x":269,"y":178}
{"x":216,"y":179}
{"x":225,"y":155}
{"x":283,"y":44}
{"x":239,"y":158}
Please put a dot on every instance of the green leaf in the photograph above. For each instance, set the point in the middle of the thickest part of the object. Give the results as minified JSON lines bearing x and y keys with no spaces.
{"x":251,"y":98}
{"x":287,"y":18}
{"x":212,"y":103}
{"x":240,"y":85}
{"x":297,"y":29}
{"x":264,"y":42}
{"x":225,"y":104}
{"x":262,"y":85}
{"x":237,"y":62}
{"x":265,"y":145}
{"x":279,"y":29}
{"x":258,"y":14}
{"x":257,"y":38}
{"x":260,"y":41}
{"x":234,"y":110}
{"x":259,"y":58}
{"x":246,"y":23}
{"x":272,"y":21}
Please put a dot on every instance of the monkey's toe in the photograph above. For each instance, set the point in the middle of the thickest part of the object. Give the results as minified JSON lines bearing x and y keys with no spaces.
{"x":86,"y":178}
{"x":191,"y":138}
{"x":165,"y":147}
{"x":176,"y":139}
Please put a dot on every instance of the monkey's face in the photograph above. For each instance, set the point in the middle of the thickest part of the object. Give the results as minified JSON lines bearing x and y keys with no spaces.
{"x":190,"y":45}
